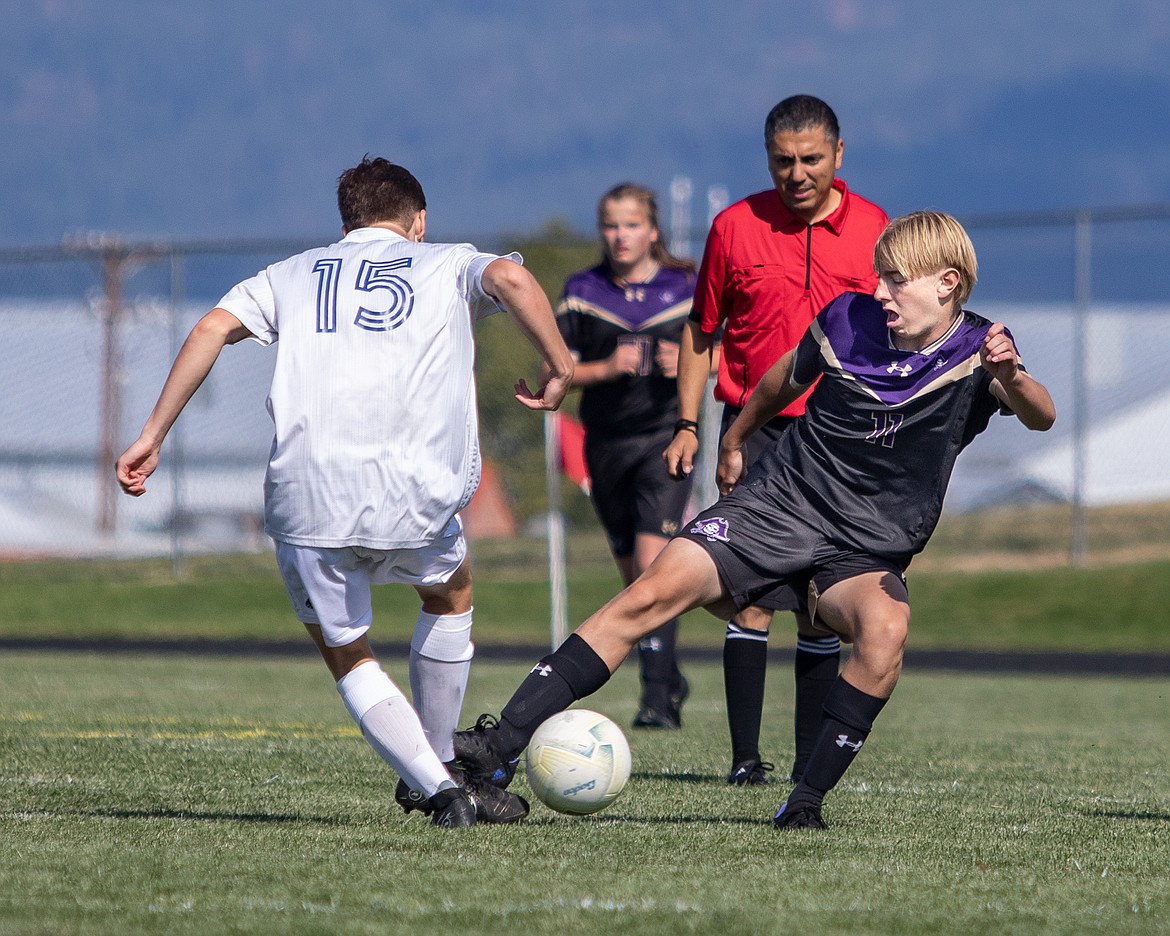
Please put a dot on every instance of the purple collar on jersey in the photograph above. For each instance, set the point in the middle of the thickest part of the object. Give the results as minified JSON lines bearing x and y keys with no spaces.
{"x":635,"y":304}
{"x":856,"y":343}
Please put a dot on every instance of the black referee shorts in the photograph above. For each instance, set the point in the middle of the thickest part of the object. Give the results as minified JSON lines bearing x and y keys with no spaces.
{"x":782,"y":597}
{"x":631,"y":491}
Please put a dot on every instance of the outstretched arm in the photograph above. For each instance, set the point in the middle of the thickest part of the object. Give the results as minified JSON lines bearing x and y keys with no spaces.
{"x":1026,"y":396}
{"x":520,"y":295}
{"x":192,"y":365}
{"x":774,"y":392}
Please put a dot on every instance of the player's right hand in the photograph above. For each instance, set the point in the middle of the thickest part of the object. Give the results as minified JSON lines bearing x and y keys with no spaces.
{"x":729,"y":470}
{"x":680,"y":454}
{"x":135,"y":465}
{"x":548,"y":397}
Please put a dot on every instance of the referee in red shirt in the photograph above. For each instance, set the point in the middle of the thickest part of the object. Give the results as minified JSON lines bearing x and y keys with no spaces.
{"x":772,"y":261}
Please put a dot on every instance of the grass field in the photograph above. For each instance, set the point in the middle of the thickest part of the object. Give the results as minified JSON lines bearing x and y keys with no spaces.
{"x":172,"y":794}
{"x":185,"y":794}
{"x":1124,"y":606}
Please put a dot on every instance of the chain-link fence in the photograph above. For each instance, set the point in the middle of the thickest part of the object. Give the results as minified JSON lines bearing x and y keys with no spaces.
{"x":91,"y":327}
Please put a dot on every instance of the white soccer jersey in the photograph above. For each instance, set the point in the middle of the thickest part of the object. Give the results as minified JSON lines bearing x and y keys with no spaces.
{"x":373,"y":397}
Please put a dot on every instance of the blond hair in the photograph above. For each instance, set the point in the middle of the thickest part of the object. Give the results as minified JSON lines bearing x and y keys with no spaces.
{"x":925,"y":242}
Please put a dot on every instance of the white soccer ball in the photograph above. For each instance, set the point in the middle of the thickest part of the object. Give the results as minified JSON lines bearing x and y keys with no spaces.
{"x":578,"y":761}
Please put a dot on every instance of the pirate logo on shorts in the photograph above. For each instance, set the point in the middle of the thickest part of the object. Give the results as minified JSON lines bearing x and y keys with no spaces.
{"x":715,"y":529}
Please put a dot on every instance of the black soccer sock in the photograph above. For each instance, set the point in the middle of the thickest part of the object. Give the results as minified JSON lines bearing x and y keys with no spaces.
{"x":658,"y":665}
{"x":556,"y":682}
{"x":849,"y":716}
{"x":816,"y":663}
{"x":745,"y":665}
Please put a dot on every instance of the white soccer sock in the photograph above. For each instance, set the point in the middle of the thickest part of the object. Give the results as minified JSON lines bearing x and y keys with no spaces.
{"x":440,"y":662}
{"x":392,"y":727}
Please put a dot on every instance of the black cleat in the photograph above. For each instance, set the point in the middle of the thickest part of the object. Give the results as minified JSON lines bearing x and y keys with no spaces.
{"x":805,"y":816}
{"x":453,"y":809}
{"x":410,"y":800}
{"x":492,"y":804}
{"x":478,"y":759}
{"x":750,"y":773}
{"x":496,"y":805}
{"x":648,"y":717}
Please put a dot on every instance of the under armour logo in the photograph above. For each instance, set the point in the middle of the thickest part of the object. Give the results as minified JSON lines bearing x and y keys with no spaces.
{"x":843,"y":741}
{"x":714,"y":529}
{"x":543,"y":669}
{"x":901,"y":369}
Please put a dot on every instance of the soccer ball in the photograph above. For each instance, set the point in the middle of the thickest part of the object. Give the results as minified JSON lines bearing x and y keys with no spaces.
{"x":577,"y":762}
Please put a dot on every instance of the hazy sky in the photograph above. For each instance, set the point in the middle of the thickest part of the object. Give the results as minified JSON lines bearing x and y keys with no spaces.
{"x":209,"y":119}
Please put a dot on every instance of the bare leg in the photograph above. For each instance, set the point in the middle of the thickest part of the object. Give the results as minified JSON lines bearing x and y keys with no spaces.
{"x":681,"y":578}
{"x":662,"y":682}
{"x":872,"y":611}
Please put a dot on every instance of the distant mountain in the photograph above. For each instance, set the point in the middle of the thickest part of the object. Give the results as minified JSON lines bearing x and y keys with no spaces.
{"x":230,"y":119}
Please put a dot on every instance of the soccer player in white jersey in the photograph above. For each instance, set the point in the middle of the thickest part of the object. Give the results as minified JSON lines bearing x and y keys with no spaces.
{"x":375,"y":453}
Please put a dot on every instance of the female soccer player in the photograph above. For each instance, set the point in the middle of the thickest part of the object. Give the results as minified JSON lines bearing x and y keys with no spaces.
{"x":622,"y":320}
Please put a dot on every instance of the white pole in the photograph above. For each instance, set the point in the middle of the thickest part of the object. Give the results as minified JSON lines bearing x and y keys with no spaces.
{"x":681,"y":190}
{"x":1083,"y":234}
{"x":557,"y":583}
{"x":717,"y":197}
{"x":178,"y":433}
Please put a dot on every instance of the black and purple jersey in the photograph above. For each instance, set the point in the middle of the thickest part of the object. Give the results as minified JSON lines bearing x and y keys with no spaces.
{"x":869,"y":462}
{"x":594,"y":313}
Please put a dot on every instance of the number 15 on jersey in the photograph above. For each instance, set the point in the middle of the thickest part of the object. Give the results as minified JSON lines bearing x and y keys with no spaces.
{"x":372,"y":277}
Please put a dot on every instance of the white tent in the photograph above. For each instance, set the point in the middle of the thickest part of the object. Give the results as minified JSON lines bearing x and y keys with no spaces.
{"x":1126,"y":458}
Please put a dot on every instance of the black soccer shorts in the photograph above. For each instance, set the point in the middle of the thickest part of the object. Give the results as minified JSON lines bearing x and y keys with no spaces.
{"x":764,"y":555}
{"x":632,"y":493}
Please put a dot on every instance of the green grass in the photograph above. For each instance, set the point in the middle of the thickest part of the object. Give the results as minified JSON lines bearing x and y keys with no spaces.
{"x":1117,"y":607}
{"x":152,"y":794}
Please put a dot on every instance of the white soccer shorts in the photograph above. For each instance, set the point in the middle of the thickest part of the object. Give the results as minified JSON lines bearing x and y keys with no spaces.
{"x":330,"y":587}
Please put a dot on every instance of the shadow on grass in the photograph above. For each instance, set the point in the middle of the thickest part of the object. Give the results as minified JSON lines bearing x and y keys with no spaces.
{"x":678,"y":777}
{"x":625,"y":819}
{"x":206,"y":816}
{"x":1144,"y":815}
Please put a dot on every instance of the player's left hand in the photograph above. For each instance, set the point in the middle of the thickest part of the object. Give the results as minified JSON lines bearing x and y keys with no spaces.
{"x":666,"y":357}
{"x":548,"y":397}
{"x":998,"y":354}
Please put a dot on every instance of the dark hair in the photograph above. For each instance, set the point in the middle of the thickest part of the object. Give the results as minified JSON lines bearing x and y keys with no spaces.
{"x":376,"y":190}
{"x":649,"y":202}
{"x":801,"y":112}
